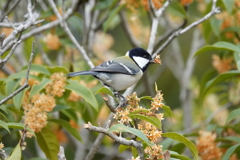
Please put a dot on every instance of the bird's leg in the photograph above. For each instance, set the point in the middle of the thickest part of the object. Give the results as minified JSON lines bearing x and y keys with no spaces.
{"x":121,"y":98}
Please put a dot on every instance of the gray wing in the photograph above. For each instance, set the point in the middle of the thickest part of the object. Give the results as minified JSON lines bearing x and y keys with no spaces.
{"x":114,"y":67}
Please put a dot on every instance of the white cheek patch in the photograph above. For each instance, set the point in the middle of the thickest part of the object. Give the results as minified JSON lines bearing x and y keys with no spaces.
{"x":142,"y":62}
{"x":127,"y":54}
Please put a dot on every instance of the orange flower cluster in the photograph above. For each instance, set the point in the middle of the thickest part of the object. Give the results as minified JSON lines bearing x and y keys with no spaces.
{"x":206,"y":146}
{"x":35,"y":112}
{"x":31,"y":81}
{"x":137,"y":158}
{"x":157,"y":101}
{"x":222,"y":65}
{"x":185,"y":2}
{"x":154,"y":152}
{"x":150,"y":131}
{"x":52,"y":41}
{"x":133,"y":99}
{"x":157,"y":60}
{"x":56,"y":87}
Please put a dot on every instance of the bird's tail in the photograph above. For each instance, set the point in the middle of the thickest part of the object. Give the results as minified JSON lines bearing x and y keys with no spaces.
{"x":73,"y":74}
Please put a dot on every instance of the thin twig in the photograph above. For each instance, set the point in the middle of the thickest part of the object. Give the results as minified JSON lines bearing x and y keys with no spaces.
{"x":137,"y":145}
{"x":25,"y":85}
{"x":10,"y":9}
{"x":99,"y":139}
{"x":69,"y":33}
{"x":179,"y":32}
{"x":158,"y":13}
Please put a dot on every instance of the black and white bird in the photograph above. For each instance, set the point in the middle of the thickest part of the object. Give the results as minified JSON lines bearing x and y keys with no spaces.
{"x":121,"y":72}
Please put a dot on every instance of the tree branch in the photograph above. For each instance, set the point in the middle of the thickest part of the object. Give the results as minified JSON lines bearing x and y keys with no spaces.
{"x":137,"y":145}
{"x":25,"y":85}
{"x":69,"y":33}
{"x":179,"y":32}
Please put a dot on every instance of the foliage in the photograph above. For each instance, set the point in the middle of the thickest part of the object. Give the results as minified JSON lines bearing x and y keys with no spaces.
{"x":53,"y":109}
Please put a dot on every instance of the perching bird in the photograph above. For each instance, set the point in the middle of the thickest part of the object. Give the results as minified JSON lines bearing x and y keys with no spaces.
{"x":122,"y":72}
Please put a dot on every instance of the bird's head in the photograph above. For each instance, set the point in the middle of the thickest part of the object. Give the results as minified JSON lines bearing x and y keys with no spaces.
{"x":141,"y":57}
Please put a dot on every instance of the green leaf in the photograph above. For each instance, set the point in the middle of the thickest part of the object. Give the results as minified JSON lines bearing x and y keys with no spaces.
{"x":38,"y":68}
{"x":106,"y":91}
{"x":221,"y":45}
{"x":111,"y":16}
{"x":57,"y":69}
{"x":84,"y":92}
{"x":168,"y":110}
{"x":220,"y":78}
{"x":229,"y":138}
{"x":37,"y":88}
{"x":230,"y":151}
{"x":179,"y":157}
{"x":19,"y":126}
{"x":146,"y":97}
{"x":216,"y":25}
{"x":16,"y":154}
{"x":228,"y":5}
{"x":134,"y":152}
{"x":17,"y":100}
{"x":122,"y":148}
{"x":153,"y":120}
{"x":138,"y":133}
{"x":48,"y":143}
{"x":156,"y":87}
{"x":65,"y":124}
{"x":22,"y":75}
{"x":176,"y":9}
{"x":183,"y":140}
{"x":5,"y":126}
{"x":234,"y":114}
{"x":37,"y":159}
{"x":11,"y":86}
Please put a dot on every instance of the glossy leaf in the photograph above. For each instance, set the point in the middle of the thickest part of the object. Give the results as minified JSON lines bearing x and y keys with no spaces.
{"x":38,"y":68}
{"x":146,"y":97}
{"x":153,"y":120}
{"x":5,"y":126}
{"x":230,"y":151}
{"x":37,"y":88}
{"x":19,"y":126}
{"x":221,"y":45}
{"x":122,"y":148}
{"x":22,"y":74}
{"x":234,"y":114}
{"x":220,"y":78}
{"x":17,"y":100}
{"x":16,"y":154}
{"x":181,"y":157}
{"x":106,"y":91}
{"x":57,"y":69}
{"x":216,"y":25}
{"x":65,"y":124}
{"x":84,"y":92}
{"x":11,"y":86}
{"x":111,"y":16}
{"x":176,"y":9}
{"x":183,"y":140}
{"x":168,"y":110}
{"x":48,"y":143}
{"x":138,"y":133}
{"x":229,"y":4}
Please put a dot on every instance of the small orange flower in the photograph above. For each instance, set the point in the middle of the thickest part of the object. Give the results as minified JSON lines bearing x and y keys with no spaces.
{"x":52,"y":41}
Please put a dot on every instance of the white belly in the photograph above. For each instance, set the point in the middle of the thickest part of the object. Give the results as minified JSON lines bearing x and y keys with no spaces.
{"x":120,"y":81}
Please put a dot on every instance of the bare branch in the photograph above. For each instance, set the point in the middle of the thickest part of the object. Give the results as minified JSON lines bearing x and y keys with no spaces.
{"x":25,"y":85}
{"x":69,"y":33}
{"x":61,"y":155}
{"x":179,"y":32}
{"x":99,"y":139}
{"x":158,"y":13}
{"x":5,"y":13}
{"x":137,"y":145}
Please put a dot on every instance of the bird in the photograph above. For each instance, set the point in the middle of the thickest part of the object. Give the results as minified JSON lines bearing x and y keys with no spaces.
{"x":121,"y":72}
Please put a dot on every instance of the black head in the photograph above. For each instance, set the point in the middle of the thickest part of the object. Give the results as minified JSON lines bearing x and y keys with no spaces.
{"x":141,"y":57}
